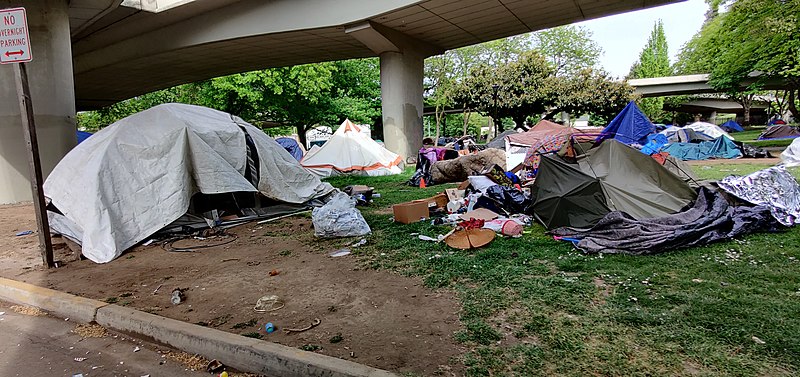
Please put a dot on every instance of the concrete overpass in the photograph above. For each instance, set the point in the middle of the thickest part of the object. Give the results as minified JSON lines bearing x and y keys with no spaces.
{"x":111,"y":50}
{"x":687,"y":84}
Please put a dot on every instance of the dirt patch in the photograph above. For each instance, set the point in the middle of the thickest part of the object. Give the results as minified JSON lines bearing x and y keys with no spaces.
{"x":603,"y":291}
{"x":383,"y":319}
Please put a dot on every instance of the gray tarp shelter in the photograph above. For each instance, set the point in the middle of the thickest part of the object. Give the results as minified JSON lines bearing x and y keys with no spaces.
{"x":140,"y":174}
{"x":611,"y":177}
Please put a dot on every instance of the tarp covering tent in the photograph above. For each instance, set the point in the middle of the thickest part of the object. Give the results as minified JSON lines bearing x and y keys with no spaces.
{"x":721,"y":147}
{"x":731,"y":126}
{"x":292,"y":146}
{"x":83,"y":135}
{"x":518,"y":144}
{"x":683,"y":135}
{"x":630,"y":126}
{"x":349,"y":151}
{"x":611,"y":177}
{"x":710,"y":219}
{"x":500,"y":141}
{"x":709,"y":129}
{"x":779,"y":132}
{"x":791,"y":155}
{"x":136,"y":176}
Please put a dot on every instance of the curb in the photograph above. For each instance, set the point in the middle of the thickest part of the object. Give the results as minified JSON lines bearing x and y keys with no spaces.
{"x":245,"y":354}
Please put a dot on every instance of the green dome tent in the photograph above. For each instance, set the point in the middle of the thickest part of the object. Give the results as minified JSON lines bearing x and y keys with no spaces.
{"x":611,"y":177}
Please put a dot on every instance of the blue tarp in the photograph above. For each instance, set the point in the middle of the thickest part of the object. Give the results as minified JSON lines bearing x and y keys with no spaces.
{"x":721,"y":147}
{"x":291,"y":146}
{"x":654,"y":144}
{"x":83,"y":135}
{"x":731,"y":126}
{"x":630,"y":126}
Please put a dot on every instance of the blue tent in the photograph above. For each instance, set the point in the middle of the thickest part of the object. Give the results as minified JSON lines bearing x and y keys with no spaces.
{"x":630,"y":126}
{"x":731,"y":126}
{"x":291,"y":146}
{"x":721,"y":147}
{"x":83,"y":135}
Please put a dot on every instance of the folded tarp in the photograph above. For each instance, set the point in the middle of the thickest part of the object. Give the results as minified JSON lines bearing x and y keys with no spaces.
{"x":791,"y":155}
{"x":710,"y":219}
{"x":721,"y":147}
{"x":773,"y":187}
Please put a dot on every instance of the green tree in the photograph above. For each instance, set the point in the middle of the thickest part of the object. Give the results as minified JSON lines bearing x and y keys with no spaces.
{"x":569,"y":49}
{"x":752,"y":36}
{"x":276,"y":99}
{"x":653,"y":62}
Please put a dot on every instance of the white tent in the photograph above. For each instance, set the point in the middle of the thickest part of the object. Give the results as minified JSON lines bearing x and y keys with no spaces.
{"x":138,"y":175}
{"x":350,"y":151}
{"x":791,"y":155}
{"x":709,"y":129}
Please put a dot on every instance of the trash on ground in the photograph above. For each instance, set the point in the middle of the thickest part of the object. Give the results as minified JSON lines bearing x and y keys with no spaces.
{"x":410,"y":212}
{"x":214,"y":366}
{"x":177,"y":296}
{"x":362,"y":242}
{"x":758,"y":341}
{"x":479,"y":214}
{"x":274,"y":272}
{"x":268,"y":304}
{"x":313,"y":324}
{"x":136,"y":349}
{"x":339,"y":218}
{"x":269,"y":328}
{"x":339,"y":253}
{"x":470,"y":238}
{"x":24,"y":233}
{"x":80,"y":359}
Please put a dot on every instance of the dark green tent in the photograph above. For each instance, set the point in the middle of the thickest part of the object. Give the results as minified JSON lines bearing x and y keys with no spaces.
{"x":611,"y":177}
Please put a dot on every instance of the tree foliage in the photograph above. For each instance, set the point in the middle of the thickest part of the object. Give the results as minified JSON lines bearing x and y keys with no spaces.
{"x":294,"y":97}
{"x":569,"y":49}
{"x":653,"y":62}
{"x":752,"y":36}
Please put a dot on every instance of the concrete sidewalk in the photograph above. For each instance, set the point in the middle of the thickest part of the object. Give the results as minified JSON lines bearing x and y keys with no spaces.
{"x":245,"y":354}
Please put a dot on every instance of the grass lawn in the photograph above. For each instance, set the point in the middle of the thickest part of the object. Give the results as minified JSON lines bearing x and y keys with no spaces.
{"x":751,"y":137}
{"x":535,"y":306}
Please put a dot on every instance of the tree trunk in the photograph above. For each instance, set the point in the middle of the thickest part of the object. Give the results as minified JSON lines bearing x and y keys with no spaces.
{"x":746,"y":100}
{"x":301,"y":135}
{"x":467,"y":115}
{"x":520,"y":122}
{"x":438,"y":121}
{"x":793,"y":94}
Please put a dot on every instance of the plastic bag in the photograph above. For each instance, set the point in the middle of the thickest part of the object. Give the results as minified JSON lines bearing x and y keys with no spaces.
{"x":339,"y":218}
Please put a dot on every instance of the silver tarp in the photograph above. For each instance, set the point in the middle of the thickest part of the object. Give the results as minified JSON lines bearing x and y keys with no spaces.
{"x":773,"y":187}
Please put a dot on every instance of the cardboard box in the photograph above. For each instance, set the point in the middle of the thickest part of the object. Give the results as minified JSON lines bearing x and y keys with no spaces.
{"x":438,"y":201}
{"x":411,"y":212}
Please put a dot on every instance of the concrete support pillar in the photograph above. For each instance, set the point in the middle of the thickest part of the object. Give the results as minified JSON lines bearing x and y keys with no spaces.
{"x":401,"y":102}
{"x":713,"y":117}
{"x":53,"y":97}
{"x":402,"y":71}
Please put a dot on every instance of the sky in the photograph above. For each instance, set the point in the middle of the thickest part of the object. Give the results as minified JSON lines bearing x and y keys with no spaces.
{"x":623,"y":36}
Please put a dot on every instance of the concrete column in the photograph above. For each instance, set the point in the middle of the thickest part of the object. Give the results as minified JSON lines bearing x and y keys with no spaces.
{"x":53,"y":97}
{"x":713,"y":117}
{"x":401,"y":101}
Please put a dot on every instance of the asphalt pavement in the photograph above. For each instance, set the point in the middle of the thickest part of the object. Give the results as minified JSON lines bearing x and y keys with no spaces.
{"x":33,"y":346}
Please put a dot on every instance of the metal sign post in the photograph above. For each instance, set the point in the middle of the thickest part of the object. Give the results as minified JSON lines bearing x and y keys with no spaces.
{"x":15,"y":48}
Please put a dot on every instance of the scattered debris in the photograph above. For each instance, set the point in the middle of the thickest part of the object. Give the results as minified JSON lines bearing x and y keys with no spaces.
{"x":339,"y":253}
{"x":268,"y":304}
{"x":24,"y":233}
{"x":359,"y":243}
{"x":697,"y":280}
{"x":157,"y":288}
{"x":28,"y":310}
{"x":214,"y":366}
{"x":90,"y":331}
{"x":310,"y":347}
{"x":80,"y":359}
{"x":758,"y":341}
{"x":177,"y":296}
{"x":136,"y":349}
{"x":193,"y":362}
{"x":274,"y":272}
{"x":336,"y":338}
{"x":269,"y":328}
{"x":313,"y":324}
